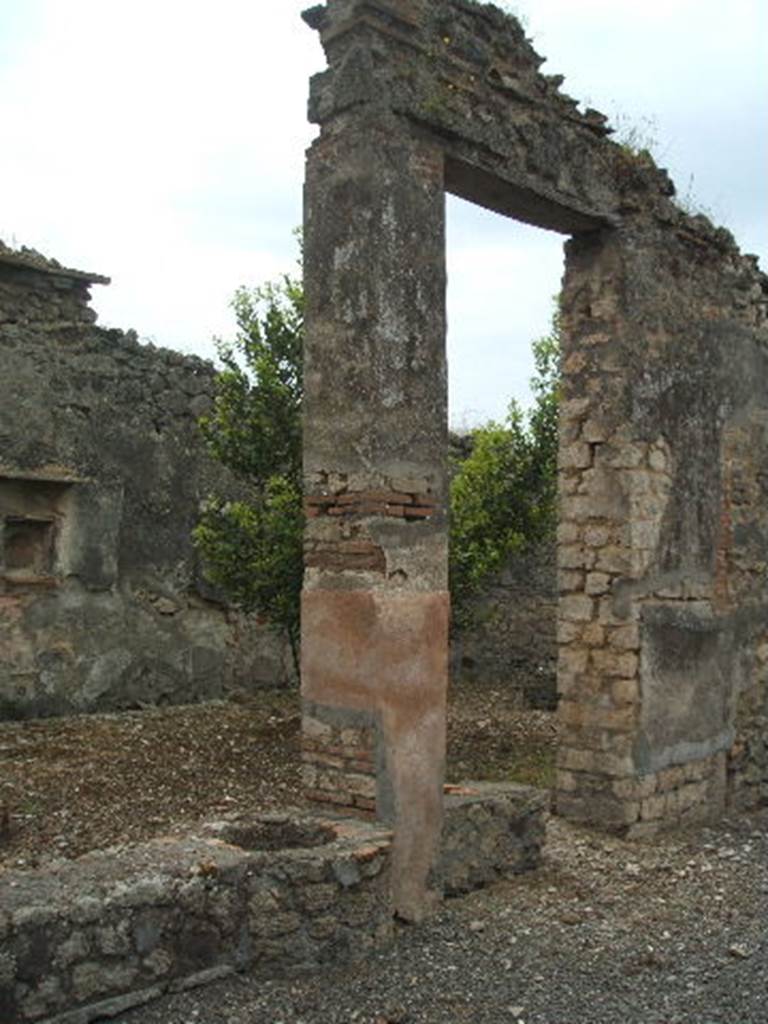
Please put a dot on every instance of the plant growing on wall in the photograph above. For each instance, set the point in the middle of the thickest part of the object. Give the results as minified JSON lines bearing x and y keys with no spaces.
{"x":252,"y":549}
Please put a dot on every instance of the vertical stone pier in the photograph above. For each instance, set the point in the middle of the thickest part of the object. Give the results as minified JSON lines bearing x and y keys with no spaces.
{"x":375,"y":604}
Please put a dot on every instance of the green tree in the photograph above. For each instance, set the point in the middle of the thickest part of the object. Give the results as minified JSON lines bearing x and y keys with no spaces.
{"x":252,"y":549}
{"x":543,"y":423}
{"x":503,"y":495}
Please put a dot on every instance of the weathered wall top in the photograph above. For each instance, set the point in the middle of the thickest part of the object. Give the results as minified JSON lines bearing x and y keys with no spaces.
{"x":31,"y":259}
{"x":514,"y":142}
{"x":466,"y":72}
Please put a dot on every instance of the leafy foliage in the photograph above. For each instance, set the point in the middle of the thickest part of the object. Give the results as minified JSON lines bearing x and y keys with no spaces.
{"x":503,"y":495}
{"x":255,"y":429}
{"x":253,"y":549}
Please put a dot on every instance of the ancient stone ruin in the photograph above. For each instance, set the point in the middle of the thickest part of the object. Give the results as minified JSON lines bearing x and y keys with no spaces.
{"x":662,"y":630}
{"x":663,"y":639}
{"x":102,"y":471}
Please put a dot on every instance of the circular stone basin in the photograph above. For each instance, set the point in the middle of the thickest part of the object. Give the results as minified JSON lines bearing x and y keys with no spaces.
{"x":276,"y":833}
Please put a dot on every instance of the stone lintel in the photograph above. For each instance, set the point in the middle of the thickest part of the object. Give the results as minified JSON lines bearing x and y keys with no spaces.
{"x":501,"y":194}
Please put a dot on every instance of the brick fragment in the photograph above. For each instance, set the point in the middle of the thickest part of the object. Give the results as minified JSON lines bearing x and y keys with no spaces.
{"x":420,"y":512}
{"x":359,"y":556}
{"x":380,"y":497}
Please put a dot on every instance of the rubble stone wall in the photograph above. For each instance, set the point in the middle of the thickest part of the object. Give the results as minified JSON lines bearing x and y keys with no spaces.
{"x":102,"y":472}
{"x":88,"y":939}
{"x":117,"y":928}
{"x":491,"y":831}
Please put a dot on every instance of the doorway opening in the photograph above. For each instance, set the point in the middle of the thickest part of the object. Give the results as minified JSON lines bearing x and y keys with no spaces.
{"x":504,"y":277}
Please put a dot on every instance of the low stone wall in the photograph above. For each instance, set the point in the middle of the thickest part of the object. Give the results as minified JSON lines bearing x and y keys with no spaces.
{"x":116,"y":929}
{"x":674,"y":797}
{"x":91,"y":938}
{"x":491,"y":831}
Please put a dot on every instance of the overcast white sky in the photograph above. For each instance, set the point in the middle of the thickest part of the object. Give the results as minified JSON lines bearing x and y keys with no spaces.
{"x":161,"y":142}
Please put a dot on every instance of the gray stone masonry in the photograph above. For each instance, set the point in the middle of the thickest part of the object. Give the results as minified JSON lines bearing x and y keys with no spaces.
{"x":490,"y":831}
{"x":102,"y":473}
{"x":87,"y":939}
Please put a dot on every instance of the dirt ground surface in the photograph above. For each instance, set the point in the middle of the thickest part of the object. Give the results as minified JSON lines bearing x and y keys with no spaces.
{"x":70,"y":785}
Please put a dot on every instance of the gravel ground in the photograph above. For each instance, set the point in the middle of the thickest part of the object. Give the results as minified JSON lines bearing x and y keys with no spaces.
{"x":607,"y":932}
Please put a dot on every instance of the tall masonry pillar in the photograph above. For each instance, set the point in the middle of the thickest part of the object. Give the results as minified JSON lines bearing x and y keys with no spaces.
{"x":375,"y":604}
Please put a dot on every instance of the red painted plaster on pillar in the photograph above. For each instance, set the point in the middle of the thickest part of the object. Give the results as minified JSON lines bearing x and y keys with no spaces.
{"x":387,"y":653}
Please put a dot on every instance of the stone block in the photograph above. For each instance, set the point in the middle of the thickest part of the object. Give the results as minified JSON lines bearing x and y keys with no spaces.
{"x":597,"y":536}
{"x":625,"y":691}
{"x":572,"y":662}
{"x":627,"y":455}
{"x":653,"y":807}
{"x":593,"y":634}
{"x":597,"y":583}
{"x":572,"y":557}
{"x":95,"y":978}
{"x":569,"y":580}
{"x":574,"y":456}
{"x":625,"y":638}
{"x":567,"y":632}
{"x":360,"y":785}
{"x":316,"y":731}
{"x":595,"y":431}
{"x":324,"y":927}
{"x":75,"y":947}
{"x":612,"y":559}
{"x":584,"y":715}
{"x":599,"y":763}
{"x":567,"y":781}
{"x":610,"y":662}
{"x":568,"y":533}
{"x":318,"y":897}
{"x":576,"y":608}
{"x":574,"y":408}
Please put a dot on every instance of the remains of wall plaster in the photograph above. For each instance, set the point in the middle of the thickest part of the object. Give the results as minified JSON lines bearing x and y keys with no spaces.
{"x":375,"y":604}
{"x":662,"y":568}
{"x":102,"y":605}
